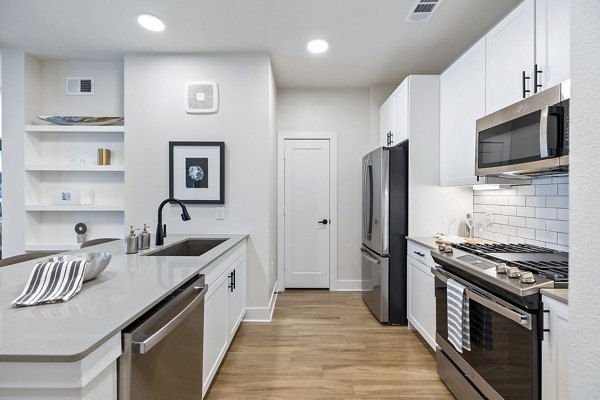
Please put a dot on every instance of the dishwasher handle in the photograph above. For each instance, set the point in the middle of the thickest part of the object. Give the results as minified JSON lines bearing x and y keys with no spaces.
{"x":145,"y":346}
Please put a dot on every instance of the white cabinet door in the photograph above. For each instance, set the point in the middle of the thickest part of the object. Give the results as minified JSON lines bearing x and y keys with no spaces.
{"x":215,"y":329}
{"x":421,"y":299}
{"x":401,"y":122}
{"x":462,"y":102}
{"x":509,"y":52}
{"x":236,"y":302}
{"x":555,"y":356}
{"x":552,"y":44}
{"x":386,"y":121}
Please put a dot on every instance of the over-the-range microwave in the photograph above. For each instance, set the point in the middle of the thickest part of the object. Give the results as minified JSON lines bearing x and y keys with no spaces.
{"x":529,"y":138}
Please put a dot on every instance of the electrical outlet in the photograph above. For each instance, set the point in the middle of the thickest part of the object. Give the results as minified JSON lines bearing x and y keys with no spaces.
{"x":220,"y":212}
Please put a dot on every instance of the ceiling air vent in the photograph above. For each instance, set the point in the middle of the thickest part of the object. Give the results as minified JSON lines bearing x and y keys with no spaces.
{"x":422,"y":10}
{"x":77,"y":86}
{"x":201,"y":97}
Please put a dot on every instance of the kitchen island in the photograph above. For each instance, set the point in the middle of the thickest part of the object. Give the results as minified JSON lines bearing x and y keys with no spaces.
{"x":69,"y":350}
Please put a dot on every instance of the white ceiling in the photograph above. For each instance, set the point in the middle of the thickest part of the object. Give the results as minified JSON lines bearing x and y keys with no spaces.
{"x":370,"y":42}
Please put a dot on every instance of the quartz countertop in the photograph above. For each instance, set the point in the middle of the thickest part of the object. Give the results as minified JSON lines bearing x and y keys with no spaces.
{"x":427,"y":241}
{"x":130,"y":285}
{"x":561,"y":295}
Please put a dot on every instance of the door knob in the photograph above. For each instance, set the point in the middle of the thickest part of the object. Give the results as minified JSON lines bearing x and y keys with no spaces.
{"x":324,"y":221}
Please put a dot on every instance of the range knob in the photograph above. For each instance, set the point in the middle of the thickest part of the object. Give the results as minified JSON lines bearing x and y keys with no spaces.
{"x":513,"y":272}
{"x":501,"y":268}
{"x":527,"y":277}
{"x":448,"y":249}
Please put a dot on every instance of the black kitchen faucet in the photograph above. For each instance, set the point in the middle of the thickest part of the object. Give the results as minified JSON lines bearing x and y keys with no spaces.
{"x":161,"y":231}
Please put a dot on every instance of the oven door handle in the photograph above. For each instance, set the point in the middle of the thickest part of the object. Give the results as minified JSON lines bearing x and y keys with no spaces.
{"x":521,"y":319}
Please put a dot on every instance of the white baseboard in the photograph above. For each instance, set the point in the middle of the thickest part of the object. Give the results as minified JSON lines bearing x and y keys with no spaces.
{"x":349,"y":285}
{"x":262,"y":314}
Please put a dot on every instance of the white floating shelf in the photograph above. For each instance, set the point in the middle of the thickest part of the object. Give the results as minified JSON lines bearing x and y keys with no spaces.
{"x":73,"y":207}
{"x":75,"y":128}
{"x":52,"y":246}
{"x":68,"y":168}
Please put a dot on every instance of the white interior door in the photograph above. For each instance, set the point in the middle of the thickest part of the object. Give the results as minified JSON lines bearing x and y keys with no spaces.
{"x":306,"y":213}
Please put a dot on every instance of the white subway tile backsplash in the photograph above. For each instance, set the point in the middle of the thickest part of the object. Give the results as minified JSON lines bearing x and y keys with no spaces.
{"x":526,"y":233}
{"x":558,"y":202}
{"x":498,"y":237}
{"x":528,"y":190}
{"x":509,"y":210}
{"x":535,"y":242}
{"x":516,"y":201}
{"x":535,"y":223}
{"x":542,"y":181}
{"x":563,"y":189}
{"x":557,"y":226}
{"x":546,"y":213}
{"x":516,"y":221}
{"x":557,"y":247}
{"x":563,"y":239}
{"x":562,"y":214}
{"x":535,"y":201}
{"x":509,"y":230}
{"x":546,"y":190}
{"x":537,"y":214}
{"x":526,"y":211}
{"x":546,"y":236}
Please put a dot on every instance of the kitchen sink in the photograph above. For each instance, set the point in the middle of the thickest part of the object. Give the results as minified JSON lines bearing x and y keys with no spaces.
{"x":187,"y":248}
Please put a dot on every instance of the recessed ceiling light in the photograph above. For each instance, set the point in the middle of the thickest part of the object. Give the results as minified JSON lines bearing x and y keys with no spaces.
{"x":317,"y":46}
{"x":151,"y":22}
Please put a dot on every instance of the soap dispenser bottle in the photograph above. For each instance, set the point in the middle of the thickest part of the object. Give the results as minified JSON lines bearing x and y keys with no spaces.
{"x":144,"y":239}
{"x":131,"y":241}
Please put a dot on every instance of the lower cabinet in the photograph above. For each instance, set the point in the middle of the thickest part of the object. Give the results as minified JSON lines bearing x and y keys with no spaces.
{"x":555,"y":354}
{"x":421,"y":292}
{"x":224,"y":309}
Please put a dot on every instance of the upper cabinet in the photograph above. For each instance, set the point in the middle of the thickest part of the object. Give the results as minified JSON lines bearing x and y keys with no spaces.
{"x":552,"y":49}
{"x":462,"y":102}
{"x":510,"y":53}
{"x":528,"y":51}
{"x":499,"y":70}
{"x":393,"y":116}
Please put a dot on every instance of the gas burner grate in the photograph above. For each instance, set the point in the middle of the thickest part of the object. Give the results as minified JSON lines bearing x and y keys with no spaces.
{"x":558,"y":271}
{"x":500,"y":248}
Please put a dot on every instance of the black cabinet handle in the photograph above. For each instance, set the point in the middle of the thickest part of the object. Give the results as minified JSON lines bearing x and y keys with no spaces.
{"x":231,"y":285}
{"x":525,"y":90}
{"x":234,"y":279}
{"x":324,"y":222}
{"x":419,"y":253}
{"x":536,"y":81}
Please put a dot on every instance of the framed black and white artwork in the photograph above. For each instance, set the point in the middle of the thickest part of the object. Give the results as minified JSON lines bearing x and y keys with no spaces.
{"x":197,"y":172}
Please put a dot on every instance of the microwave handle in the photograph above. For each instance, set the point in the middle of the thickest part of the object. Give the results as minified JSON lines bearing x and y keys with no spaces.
{"x":544,"y":132}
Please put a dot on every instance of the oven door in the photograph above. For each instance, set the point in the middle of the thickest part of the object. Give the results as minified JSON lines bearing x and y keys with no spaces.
{"x":504,"y":360}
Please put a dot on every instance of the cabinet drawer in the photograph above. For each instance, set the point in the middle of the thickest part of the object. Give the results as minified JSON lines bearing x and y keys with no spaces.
{"x":421,"y":253}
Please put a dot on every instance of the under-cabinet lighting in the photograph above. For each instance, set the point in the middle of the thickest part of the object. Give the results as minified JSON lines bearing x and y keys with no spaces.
{"x":317,"y":46}
{"x":151,"y":22}
{"x":490,"y":187}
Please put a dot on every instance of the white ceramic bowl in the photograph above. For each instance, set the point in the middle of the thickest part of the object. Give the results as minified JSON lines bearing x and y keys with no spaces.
{"x":97,"y":262}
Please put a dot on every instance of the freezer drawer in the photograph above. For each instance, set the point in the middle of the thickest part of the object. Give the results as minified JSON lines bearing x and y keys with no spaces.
{"x":375,"y":278}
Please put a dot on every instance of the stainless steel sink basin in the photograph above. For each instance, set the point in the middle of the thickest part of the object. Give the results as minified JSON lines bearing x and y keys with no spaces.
{"x":187,"y":248}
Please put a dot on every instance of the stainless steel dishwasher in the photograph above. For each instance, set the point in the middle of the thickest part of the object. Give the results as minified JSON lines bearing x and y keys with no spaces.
{"x":162,"y":350}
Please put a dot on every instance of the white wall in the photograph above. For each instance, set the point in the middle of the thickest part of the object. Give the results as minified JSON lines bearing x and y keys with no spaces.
{"x":155,"y":115}
{"x":346,"y":111}
{"x":584,"y":280}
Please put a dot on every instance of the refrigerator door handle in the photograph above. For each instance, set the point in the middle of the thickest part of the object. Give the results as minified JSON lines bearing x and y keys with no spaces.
{"x":370,"y":173}
{"x":364,"y":201}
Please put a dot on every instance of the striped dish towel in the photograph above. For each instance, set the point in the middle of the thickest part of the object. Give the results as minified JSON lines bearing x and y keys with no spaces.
{"x":458,"y":316}
{"x":52,"y":282}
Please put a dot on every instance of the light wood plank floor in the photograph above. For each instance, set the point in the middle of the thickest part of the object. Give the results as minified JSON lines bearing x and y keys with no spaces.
{"x":326,"y":345}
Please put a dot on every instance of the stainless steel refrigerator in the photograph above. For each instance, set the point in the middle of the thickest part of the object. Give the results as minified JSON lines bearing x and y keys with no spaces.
{"x":384,"y":231}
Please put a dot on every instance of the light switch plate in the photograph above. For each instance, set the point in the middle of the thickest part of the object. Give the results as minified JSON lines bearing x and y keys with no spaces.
{"x":220,"y":212}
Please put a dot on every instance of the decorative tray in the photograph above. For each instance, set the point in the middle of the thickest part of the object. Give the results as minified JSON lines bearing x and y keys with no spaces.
{"x":73,"y":120}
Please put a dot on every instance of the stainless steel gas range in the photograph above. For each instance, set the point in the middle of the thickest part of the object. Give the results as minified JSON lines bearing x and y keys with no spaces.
{"x":498,"y":351}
